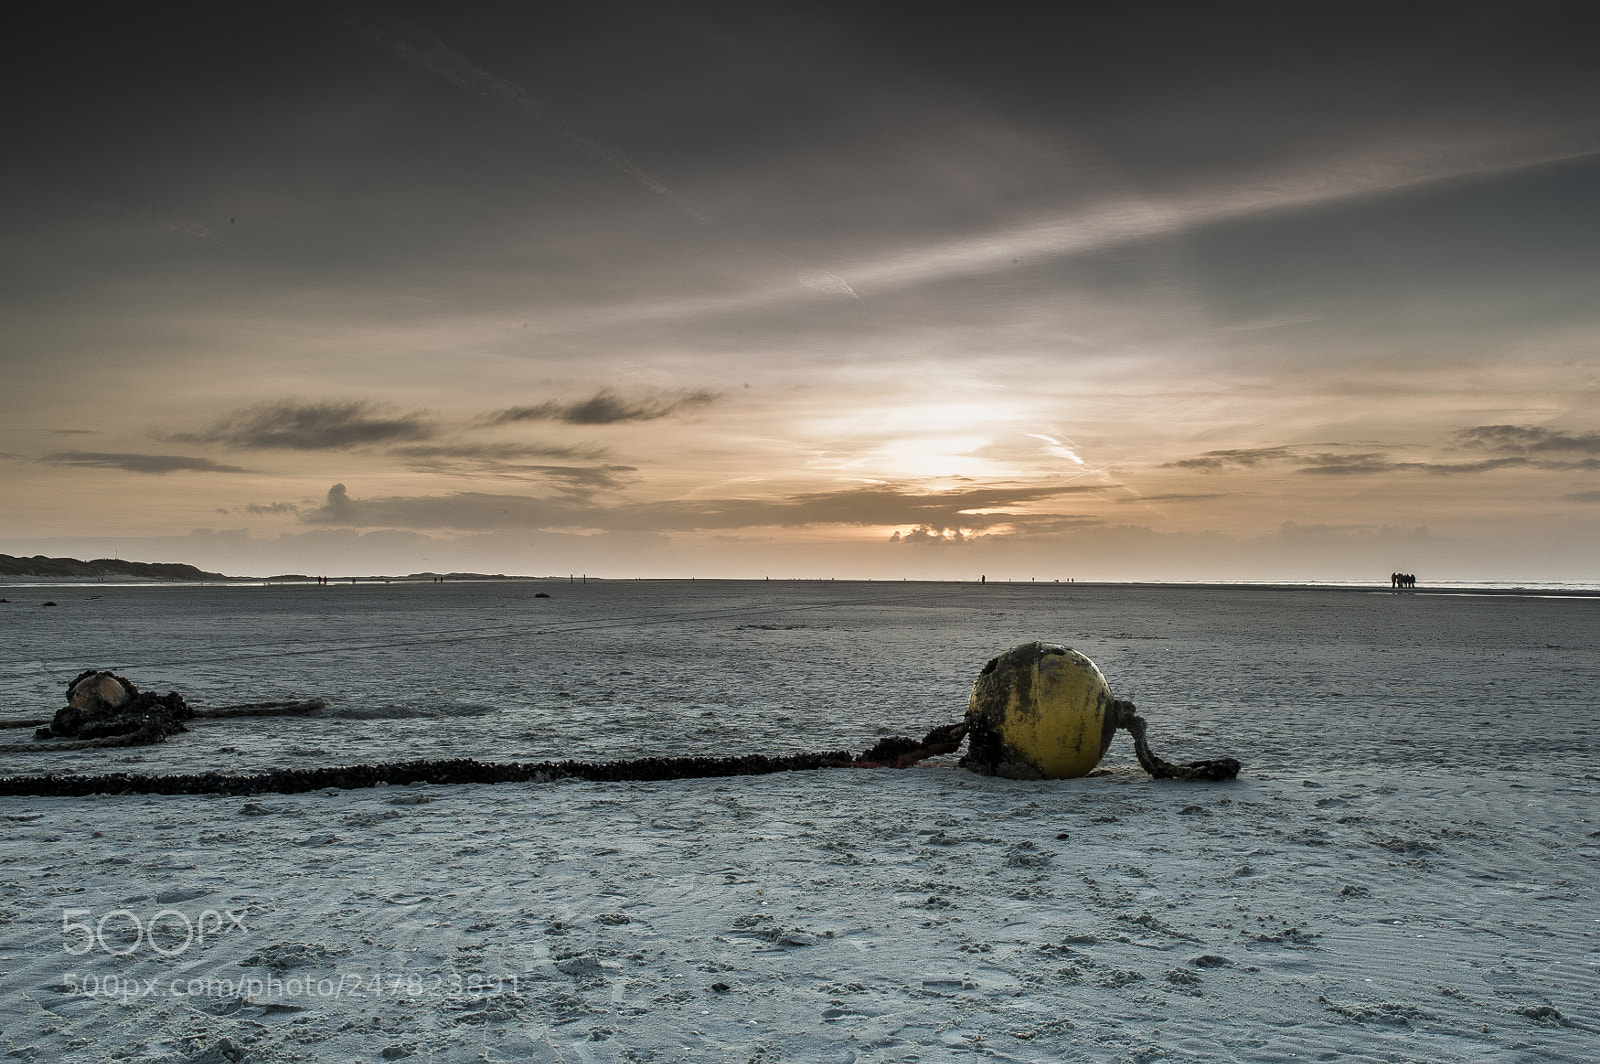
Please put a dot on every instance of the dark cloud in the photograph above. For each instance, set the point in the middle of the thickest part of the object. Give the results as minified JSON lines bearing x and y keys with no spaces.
{"x":1249,"y":457}
{"x":338,"y":509}
{"x":950,"y":511}
{"x":578,"y":479}
{"x":1348,"y":464}
{"x":503,"y":460}
{"x":271,"y":509}
{"x":1371,"y":463}
{"x":1583,"y":496}
{"x":290,"y":425}
{"x":1488,"y":465}
{"x":140,"y":463}
{"x":605,"y":408}
{"x":495,"y":452}
{"x":934,"y":512}
{"x":1529,"y":439}
{"x":1363,"y":464}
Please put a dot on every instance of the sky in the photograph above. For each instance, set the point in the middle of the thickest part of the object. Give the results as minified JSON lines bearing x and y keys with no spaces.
{"x":853,"y":290}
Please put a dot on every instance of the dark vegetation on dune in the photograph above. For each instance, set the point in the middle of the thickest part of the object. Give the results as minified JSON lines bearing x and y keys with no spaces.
{"x":39,"y":565}
{"x":113,"y":568}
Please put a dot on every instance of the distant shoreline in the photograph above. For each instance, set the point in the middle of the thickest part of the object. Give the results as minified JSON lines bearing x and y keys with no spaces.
{"x":40,"y":571}
{"x":102,"y":570}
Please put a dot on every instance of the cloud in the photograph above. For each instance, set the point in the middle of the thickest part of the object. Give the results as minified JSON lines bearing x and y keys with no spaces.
{"x":956,"y":511}
{"x":1248,"y":457}
{"x":1371,"y":463}
{"x":289,"y":425}
{"x":338,"y":509}
{"x":950,"y":511}
{"x":495,"y":452}
{"x":1529,"y":439}
{"x":1361,"y":464}
{"x":579,"y":478}
{"x":1024,"y":527}
{"x":605,"y":407}
{"x":927,"y":537}
{"x":503,"y":460}
{"x":140,"y":463}
{"x":271,"y":509}
{"x":1349,"y":464}
{"x":1583,"y":496}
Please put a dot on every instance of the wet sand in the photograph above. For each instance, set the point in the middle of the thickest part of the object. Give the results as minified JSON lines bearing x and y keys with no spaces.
{"x":1406,"y":869}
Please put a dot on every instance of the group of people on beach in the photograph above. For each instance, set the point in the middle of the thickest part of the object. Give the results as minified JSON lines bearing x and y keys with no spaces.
{"x":1402,"y":580}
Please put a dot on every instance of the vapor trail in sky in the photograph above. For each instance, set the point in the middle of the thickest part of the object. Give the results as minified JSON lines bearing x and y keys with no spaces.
{"x":1133,"y":220}
{"x":415,"y":45}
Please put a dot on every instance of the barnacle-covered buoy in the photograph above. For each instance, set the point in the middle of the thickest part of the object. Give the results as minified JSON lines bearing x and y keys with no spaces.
{"x":102,"y":704}
{"x":1039,"y":711}
{"x":100,"y":692}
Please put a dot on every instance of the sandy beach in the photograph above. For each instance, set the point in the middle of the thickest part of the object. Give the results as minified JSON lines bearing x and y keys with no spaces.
{"x":1405,"y":870}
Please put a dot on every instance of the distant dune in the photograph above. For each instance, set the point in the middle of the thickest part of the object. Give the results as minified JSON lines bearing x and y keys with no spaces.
{"x":40,"y":567}
{"x":101,"y":568}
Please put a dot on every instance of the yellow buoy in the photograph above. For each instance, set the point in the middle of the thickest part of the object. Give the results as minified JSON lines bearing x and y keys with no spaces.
{"x":1039,"y":711}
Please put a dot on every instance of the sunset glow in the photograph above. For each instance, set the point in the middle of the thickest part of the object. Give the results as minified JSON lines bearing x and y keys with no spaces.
{"x":811,"y":290}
